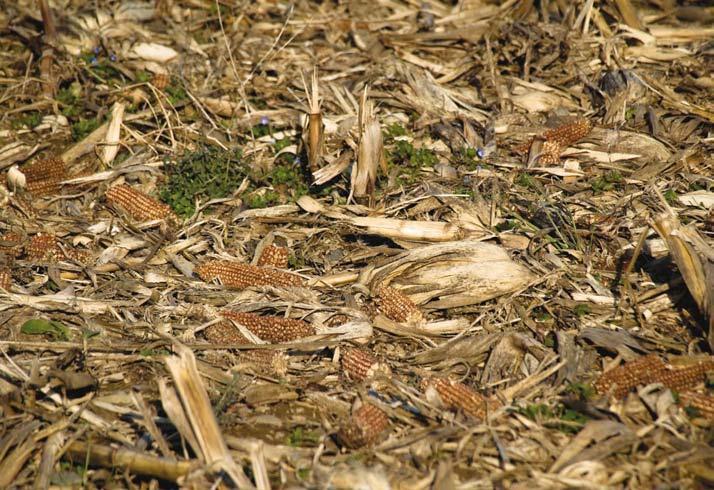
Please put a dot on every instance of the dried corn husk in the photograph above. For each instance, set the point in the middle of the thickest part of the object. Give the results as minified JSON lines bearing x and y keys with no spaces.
{"x":452,"y":274}
{"x":695,"y":259}
{"x":111,"y":148}
{"x":370,"y":153}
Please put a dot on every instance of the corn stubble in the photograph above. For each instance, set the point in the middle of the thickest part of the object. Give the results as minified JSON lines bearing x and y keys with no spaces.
{"x":314,"y":135}
{"x":370,"y":153}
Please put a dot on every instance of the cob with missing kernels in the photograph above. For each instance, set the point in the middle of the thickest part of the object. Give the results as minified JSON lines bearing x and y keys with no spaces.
{"x":273,"y":329}
{"x":238,"y":275}
{"x":359,"y":364}
{"x":458,"y":396}
{"x":274,"y":256}
{"x":547,"y":148}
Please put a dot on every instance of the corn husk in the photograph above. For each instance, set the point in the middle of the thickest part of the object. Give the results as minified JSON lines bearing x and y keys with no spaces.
{"x":111,"y":148}
{"x":695,"y":259}
{"x":452,"y":274}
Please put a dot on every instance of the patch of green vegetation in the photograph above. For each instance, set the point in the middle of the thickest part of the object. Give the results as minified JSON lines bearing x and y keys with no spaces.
{"x":303,"y":473}
{"x":405,"y":153}
{"x":582,"y":390}
{"x":549,"y":341}
{"x":208,"y":173}
{"x":153,"y":352}
{"x":301,"y":437}
{"x":28,"y":120}
{"x":100,"y":66}
{"x":82,"y":128}
{"x":467,"y":157}
{"x":143,"y":77}
{"x":692,"y":412}
{"x":606,"y":182}
{"x":70,"y":99}
{"x":581,"y":309}
{"x":394,"y":130}
{"x":260,"y":130}
{"x":39,"y":326}
{"x":507,"y":225}
{"x":526,"y":180}
{"x":671,"y":197}
{"x":560,"y":418}
{"x":296,"y":262}
{"x":176,"y":94}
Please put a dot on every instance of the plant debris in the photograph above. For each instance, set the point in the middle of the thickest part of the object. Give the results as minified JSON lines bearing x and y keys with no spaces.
{"x":356,"y":244}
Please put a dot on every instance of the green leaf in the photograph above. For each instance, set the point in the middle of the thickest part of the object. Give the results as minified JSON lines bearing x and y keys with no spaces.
{"x":39,"y":326}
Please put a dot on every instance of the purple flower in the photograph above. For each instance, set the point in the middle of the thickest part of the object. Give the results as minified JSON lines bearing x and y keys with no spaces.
{"x":264,"y":120}
{"x":113,"y":57}
{"x":481,"y":152}
{"x":96,"y":49}
{"x":93,"y":60}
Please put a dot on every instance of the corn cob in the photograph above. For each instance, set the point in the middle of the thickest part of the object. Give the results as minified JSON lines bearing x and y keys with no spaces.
{"x":556,"y":140}
{"x":138,"y":205}
{"x":45,"y":247}
{"x":569,"y":133}
{"x":5,"y":278}
{"x":359,"y":364}
{"x":274,"y":256}
{"x":703,"y":404}
{"x":160,"y":81}
{"x":225,"y":333}
{"x":680,"y":379}
{"x":367,"y":426}
{"x":272,"y":329}
{"x":43,"y":177}
{"x":46,"y":168}
{"x":454,"y":395}
{"x":397,"y":306}
{"x":11,"y":245}
{"x":651,"y":369}
{"x":238,"y":275}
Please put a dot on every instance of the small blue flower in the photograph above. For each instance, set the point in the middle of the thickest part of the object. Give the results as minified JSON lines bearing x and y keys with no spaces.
{"x":264,"y":120}
{"x":480,"y":152}
{"x":297,"y":160}
{"x":113,"y":57}
{"x":97,"y":49}
{"x":93,"y":60}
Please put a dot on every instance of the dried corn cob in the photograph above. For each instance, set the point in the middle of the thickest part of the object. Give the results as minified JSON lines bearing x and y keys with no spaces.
{"x":160,"y":80}
{"x":397,"y":306}
{"x":556,"y":140}
{"x":367,"y":426}
{"x":138,"y":205}
{"x":5,"y":278}
{"x":45,"y":247}
{"x":569,"y":133}
{"x":620,"y":380}
{"x":11,"y":244}
{"x":274,"y":256}
{"x":225,"y":333}
{"x":46,"y":168}
{"x":679,"y":379}
{"x":238,"y":275}
{"x":272,"y":329}
{"x":43,"y":177}
{"x":359,"y":364}
{"x":455,"y":395}
{"x":703,"y":404}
